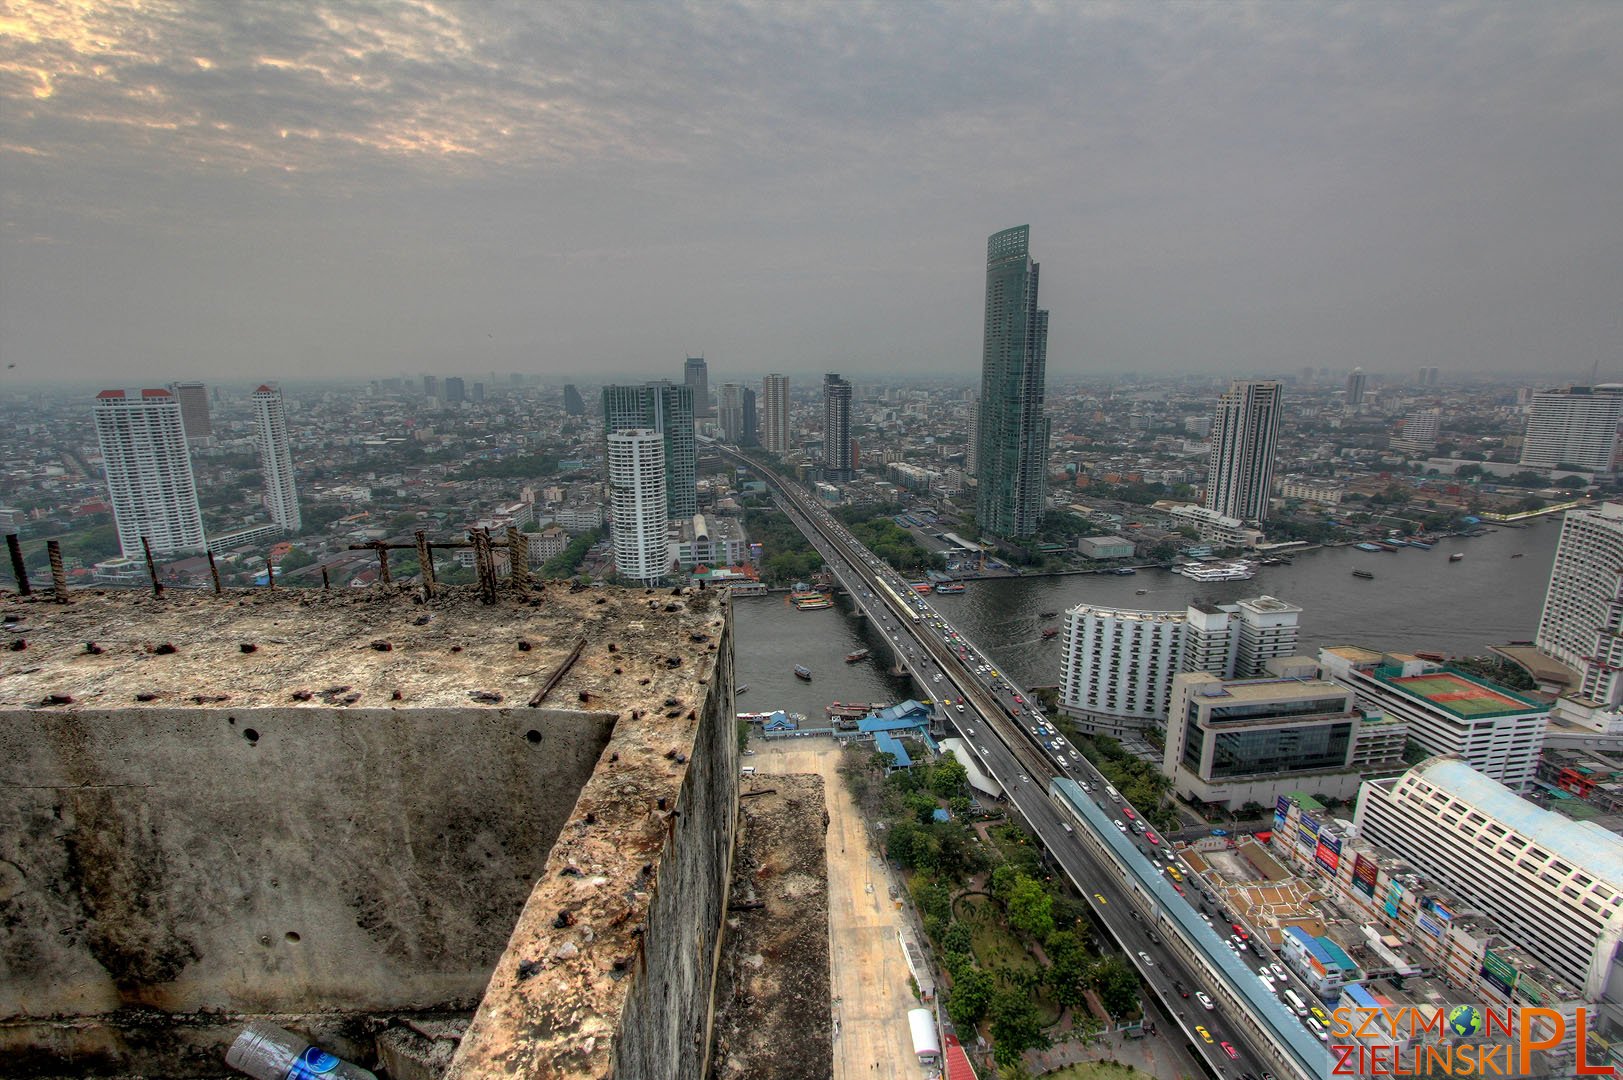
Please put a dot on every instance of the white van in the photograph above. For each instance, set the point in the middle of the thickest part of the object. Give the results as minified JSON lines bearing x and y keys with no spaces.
{"x":748,"y":770}
{"x":1112,"y":792}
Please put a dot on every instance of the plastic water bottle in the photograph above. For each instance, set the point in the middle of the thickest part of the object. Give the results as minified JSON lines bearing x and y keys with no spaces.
{"x":267,"y":1052}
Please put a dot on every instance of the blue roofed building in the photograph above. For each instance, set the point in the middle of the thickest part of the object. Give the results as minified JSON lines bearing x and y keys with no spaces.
{"x":778,"y":721}
{"x":888,"y":744}
{"x":1322,"y":964}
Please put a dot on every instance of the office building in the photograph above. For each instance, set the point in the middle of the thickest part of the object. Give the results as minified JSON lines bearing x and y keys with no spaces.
{"x":730,"y":412}
{"x":194,"y":412}
{"x":149,"y":472}
{"x":667,"y":409}
{"x":775,"y":414}
{"x":1555,"y":884}
{"x":708,"y":541}
{"x":431,"y":386}
{"x":1239,"y":741}
{"x":749,"y":433}
{"x":456,"y":391}
{"x":1425,"y":376}
{"x":1012,"y":457}
{"x":837,"y":463}
{"x":1494,"y":730}
{"x":276,"y":457}
{"x":1245,"y":428}
{"x":1117,"y":664}
{"x":1576,"y":427}
{"x":1582,"y":621}
{"x":1357,"y":381}
{"x":1215,"y":528}
{"x":1420,"y":430}
{"x":637,"y":477}
{"x":972,"y":437}
{"x":574,"y":405}
{"x":696,"y":376}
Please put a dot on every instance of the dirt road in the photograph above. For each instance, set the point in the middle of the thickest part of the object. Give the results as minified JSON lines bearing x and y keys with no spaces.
{"x":869,"y":973}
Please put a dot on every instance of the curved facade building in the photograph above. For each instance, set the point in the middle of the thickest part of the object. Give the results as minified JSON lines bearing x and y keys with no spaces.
{"x":1117,"y":668}
{"x":642,"y":548}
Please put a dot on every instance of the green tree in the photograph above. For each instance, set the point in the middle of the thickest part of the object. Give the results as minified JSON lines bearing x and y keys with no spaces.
{"x":1067,"y":967}
{"x":1031,"y":909}
{"x":1002,"y":882}
{"x":957,"y":939}
{"x":972,"y":993}
{"x":1117,"y":984}
{"x":296,"y":559}
{"x":935,"y":900}
{"x":1016,"y":1027}
{"x":948,"y":776}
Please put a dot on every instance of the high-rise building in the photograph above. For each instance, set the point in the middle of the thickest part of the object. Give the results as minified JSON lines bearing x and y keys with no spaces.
{"x":637,"y":495}
{"x":1240,"y":472}
{"x":431,"y":386}
{"x":1117,"y":666}
{"x":149,"y":471}
{"x":1553,"y":884}
{"x":1449,"y":711}
{"x":972,"y":437}
{"x":1582,"y":622}
{"x":837,"y":463}
{"x":1420,"y":430}
{"x":194,"y":411}
{"x":1356,"y":383}
{"x":276,"y":457}
{"x":749,"y":434}
{"x":696,"y":375}
{"x":1579,"y":427}
{"x":1426,"y":376}
{"x":477,"y":393}
{"x":1012,"y":457}
{"x":730,"y":411}
{"x":775,"y":414}
{"x":573,"y":403}
{"x":668,"y":409}
{"x":456,"y":391}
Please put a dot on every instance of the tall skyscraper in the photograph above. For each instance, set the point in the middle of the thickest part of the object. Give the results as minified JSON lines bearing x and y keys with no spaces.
{"x":1012,"y":458}
{"x":1420,"y":430}
{"x":1356,"y":381}
{"x":667,"y":409}
{"x":456,"y":391}
{"x":1240,"y":472}
{"x":731,"y":413}
{"x":972,"y":437}
{"x":431,"y":386}
{"x":750,"y":434}
{"x":149,"y":472}
{"x":775,"y":414}
{"x":696,"y":374}
{"x":637,"y":496}
{"x":1582,"y":622}
{"x":1579,"y":426}
{"x":194,"y":411}
{"x":276,"y":457}
{"x":573,"y":404}
{"x":837,"y":464}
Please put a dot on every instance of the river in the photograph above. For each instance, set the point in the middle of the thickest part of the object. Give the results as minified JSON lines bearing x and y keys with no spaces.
{"x":1417,"y":600}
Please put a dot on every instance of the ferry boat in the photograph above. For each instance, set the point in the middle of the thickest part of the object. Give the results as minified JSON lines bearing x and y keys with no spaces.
{"x":920,"y":586}
{"x":1047,"y":614}
{"x":1362,"y":574}
{"x":854,"y":710}
{"x":950,"y":587}
{"x":1421,"y":544}
{"x":803,"y":672}
{"x":737,"y":690}
{"x":800,"y":596}
{"x":1234,"y":571}
{"x":1457,"y":556}
{"x":747,"y":588}
{"x":1124,"y":571}
{"x":1384,"y":546}
{"x":814,"y":605}
{"x":1367,"y":546}
{"x":1050,"y":632}
{"x":858,"y":656}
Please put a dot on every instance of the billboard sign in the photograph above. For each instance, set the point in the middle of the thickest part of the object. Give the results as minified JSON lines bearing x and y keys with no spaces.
{"x":1328,"y":852}
{"x":1363,"y":876}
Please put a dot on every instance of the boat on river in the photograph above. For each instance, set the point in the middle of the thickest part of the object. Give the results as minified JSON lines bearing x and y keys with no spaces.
{"x":858,"y":656}
{"x":803,"y":672}
{"x":1362,"y":574}
{"x":1457,"y":556}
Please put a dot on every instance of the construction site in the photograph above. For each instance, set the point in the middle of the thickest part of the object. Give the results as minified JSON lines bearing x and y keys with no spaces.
{"x":472,"y":832}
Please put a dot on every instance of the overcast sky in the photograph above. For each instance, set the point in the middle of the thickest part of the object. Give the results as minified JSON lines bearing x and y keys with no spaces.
{"x":283,"y":190}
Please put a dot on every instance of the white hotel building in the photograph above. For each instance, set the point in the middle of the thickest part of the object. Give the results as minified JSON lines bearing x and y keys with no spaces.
{"x":1582,"y":622}
{"x":642,"y":549}
{"x":149,"y":472}
{"x":1554,"y":884}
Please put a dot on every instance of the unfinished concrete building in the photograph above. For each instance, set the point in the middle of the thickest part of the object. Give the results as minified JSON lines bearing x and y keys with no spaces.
{"x":370,"y":816}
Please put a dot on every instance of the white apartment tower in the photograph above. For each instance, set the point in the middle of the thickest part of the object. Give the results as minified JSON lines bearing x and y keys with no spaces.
{"x":149,"y":471}
{"x":1577,"y":426}
{"x":276,"y":457}
{"x":1245,"y":427}
{"x":1554,"y":884}
{"x":775,"y":414}
{"x":637,"y":495}
{"x":1582,"y":623}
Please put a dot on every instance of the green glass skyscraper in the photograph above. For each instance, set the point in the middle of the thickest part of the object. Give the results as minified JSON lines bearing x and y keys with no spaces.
{"x":1012,"y":441}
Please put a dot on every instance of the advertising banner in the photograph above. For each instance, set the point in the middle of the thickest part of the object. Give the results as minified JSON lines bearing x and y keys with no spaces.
{"x":1307,"y":832}
{"x":1364,"y":874}
{"x":1428,"y":924}
{"x":1328,"y":853}
{"x":1499,"y":973}
{"x":1394,"y":897}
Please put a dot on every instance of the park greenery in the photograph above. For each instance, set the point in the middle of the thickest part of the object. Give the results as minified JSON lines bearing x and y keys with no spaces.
{"x":874,"y":527}
{"x":1015,"y":943}
{"x":1140,"y":782}
{"x":567,"y":561}
{"x":786,"y":555}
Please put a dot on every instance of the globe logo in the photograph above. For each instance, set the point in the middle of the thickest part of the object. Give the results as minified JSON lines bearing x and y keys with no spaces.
{"x":1465,"y":1021}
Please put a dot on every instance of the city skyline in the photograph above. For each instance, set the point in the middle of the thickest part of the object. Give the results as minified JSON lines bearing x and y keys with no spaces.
{"x":384,"y":168}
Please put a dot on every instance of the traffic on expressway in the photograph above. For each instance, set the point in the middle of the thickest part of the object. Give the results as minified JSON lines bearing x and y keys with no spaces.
{"x":1019,"y":748}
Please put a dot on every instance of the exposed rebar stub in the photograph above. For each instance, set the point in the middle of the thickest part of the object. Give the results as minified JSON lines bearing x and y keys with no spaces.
{"x":19,"y":569}
{"x":59,"y":575}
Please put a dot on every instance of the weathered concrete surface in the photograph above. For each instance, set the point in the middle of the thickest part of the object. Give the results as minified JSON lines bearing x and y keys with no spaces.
{"x":773,"y":997}
{"x":188,"y":783}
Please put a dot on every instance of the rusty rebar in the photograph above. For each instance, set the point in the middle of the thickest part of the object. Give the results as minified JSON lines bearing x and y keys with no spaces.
{"x":270,"y":573}
{"x":425,"y":562}
{"x":19,"y":569}
{"x":383,"y":563}
{"x":326,"y":585}
{"x":214,"y":572}
{"x":518,"y":559}
{"x":152,"y":567}
{"x":59,"y":575}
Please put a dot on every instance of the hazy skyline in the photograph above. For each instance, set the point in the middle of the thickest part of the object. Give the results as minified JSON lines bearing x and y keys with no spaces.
{"x":298,"y":190}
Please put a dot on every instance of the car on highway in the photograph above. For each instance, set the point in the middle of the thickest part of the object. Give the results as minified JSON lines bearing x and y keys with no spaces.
{"x":1018,"y":700}
{"x":1176,"y":875}
{"x":1127,"y":812}
{"x":1121,"y":825}
{"x":1317,"y":1028}
{"x":1024,"y":779}
{"x":1100,"y":898}
{"x":1279,"y":971}
{"x":1205,"y":1002}
{"x":1229,"y":1050}
{"x":969,"y":731}
{"x":1066,"y":825}
{"x":1241,"y":932}
{"x":1144,"y":956}
{"x":959,"y":706}
{"x":1183,"y":991}
{"x":1203,"y":1033}
{"x":1151,"y":837}
{"x":1316,"y":1012}
{"x":1085,"y":785}
{"x":983,"y":749}
{"x":1239,"y":945}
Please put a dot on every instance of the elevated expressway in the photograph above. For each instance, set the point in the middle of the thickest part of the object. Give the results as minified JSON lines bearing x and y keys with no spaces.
{"x":1130,"y":900}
